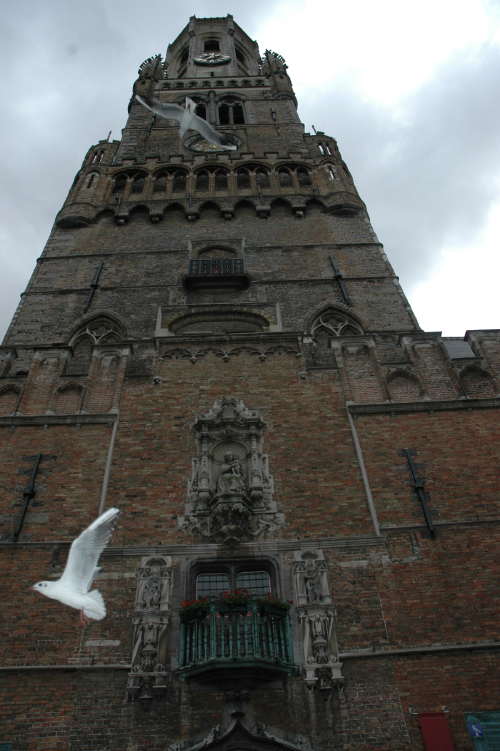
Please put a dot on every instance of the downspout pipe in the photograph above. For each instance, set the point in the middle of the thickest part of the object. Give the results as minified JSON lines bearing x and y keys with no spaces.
{"x":364,"y":474}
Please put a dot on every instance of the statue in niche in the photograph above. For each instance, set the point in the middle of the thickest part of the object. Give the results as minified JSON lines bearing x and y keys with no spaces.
{"x":312,"y":581}
{"x":230,"y":480}
{"x":230,"y":493}
{"x":151,"y":594}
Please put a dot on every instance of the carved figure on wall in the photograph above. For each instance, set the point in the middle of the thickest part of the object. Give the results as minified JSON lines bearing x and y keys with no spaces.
{"x":317,"y":621}
{"x":312,"y":581}
{"x":151,"y":594}
{"x":231,"y":479}
{"x":230,"y":494}
{"x":154,"y":582}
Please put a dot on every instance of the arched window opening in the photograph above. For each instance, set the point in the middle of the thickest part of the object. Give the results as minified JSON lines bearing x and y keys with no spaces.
{"x":303,"y":176}
{"x":238,"y":116}
{"x":223,"y":114}
{"x":92,"y":178}
{"x":183,"y":56}
{"x":231,"y":111}
{"x":285,"y":178}
{"x":202,"y":180}
{"x":221,"y":179}
{"x":212,"y":45}
{"x":331,"y":324}
{"x":80,"y":362}
{"x":160,"y":183}
{"x":138,"y":184}
{"x":262,"y":177}
{"x":201,"y":110}
{"x":179,"y":181}
{"x":240,"y":56}
{"x":243,"y":178}
{"x":332,"y":175}
{"x":119,"y":183}
{"x":328,"y":149}
{"x":321,"y":149}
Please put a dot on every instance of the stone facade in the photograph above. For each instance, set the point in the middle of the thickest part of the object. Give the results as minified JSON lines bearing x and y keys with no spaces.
{"x":215,"y":342}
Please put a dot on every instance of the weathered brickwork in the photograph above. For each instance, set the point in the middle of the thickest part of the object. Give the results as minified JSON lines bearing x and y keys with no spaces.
{"x":127,"y":379}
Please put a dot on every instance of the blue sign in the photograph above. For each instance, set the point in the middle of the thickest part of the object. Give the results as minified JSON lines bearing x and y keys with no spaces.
{"x":475,"y":729}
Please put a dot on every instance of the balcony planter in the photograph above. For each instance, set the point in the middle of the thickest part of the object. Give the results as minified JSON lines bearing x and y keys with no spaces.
{"x":194,"y":610}
{"x":273,"y":607}
{"x":236,"y":601}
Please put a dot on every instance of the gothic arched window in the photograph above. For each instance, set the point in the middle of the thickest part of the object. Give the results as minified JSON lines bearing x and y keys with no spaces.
{"x":285,"y":177}
{"x":179,"y":181}
{"x":160,"y":182}
{"x":332,"y":323}
{"x":211,"y":45}
{"x":243,"y":178}
{"x":202,"y":180}
{"x":201,"y":110}
{"x":262,"y":177}
{"x":221,"y":179}
{"x":91,"y":179}
{"x":303,"y":176}
{"x":231,"y":111}
{"x":138,"y":183}
{"x":119,"y":183}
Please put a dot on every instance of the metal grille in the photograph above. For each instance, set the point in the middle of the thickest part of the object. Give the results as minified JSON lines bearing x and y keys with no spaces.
{"x":211,"y":584}
{"x":216,"y":266}
{"x":255,"y":582}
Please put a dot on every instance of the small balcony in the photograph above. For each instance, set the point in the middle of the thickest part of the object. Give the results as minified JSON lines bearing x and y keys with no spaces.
{"x":216,"y":273}
{"x":228,"y":645}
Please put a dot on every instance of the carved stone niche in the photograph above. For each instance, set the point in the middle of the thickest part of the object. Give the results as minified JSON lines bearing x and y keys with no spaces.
{"x":230,"y":493}
{"x":316,"y":613}
{"x":147,"y":677}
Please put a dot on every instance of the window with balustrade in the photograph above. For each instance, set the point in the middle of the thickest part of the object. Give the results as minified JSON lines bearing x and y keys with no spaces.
{"x":234,"y":620}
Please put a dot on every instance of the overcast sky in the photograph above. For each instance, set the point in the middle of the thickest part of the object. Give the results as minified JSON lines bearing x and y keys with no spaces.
{"x":409,"y":90}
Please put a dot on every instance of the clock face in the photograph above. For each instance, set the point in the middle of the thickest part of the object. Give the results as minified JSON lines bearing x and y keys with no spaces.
{"x":199,"y":144}
{"x":212,"y":58}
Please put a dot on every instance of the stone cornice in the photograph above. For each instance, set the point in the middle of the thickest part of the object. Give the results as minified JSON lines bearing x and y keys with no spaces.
{"x":451,"y":405}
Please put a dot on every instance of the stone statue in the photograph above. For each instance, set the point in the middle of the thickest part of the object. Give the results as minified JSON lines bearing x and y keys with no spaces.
{"x":230,"y":479}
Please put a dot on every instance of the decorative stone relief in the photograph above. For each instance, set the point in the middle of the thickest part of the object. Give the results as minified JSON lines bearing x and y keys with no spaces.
{"x":316,"y":615}
{"x":147,"y":677}
{"x":230,"y":493}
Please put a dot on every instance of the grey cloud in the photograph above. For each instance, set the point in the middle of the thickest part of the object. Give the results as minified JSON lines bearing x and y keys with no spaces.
{"x":67,"y":75}
{"x":430,"y":176}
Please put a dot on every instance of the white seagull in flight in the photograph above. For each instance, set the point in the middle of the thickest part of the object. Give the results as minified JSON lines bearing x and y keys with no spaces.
{"x":73,"y":587}
{"x":188,"y":119}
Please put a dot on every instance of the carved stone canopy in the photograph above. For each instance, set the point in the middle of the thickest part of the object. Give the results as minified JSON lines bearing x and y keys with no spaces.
{"x":240,"y":737}
{"x":230,"y":493}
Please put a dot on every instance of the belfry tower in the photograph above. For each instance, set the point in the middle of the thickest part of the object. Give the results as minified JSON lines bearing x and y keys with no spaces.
{"x":214,"y":341}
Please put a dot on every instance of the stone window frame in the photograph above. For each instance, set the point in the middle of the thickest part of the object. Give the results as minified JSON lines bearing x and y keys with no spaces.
{"x":235,"y":110}
{"x":232,"y":567}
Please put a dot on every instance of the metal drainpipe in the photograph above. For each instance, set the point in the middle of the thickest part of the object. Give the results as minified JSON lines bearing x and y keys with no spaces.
{"x":364,"y":475}
{"x":107,"y":468}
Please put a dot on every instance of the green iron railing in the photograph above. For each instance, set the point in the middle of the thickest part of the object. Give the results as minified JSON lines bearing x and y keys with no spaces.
{"x":228,"y":637}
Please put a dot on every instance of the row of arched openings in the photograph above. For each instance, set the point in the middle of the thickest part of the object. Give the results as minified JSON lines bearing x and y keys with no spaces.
{"x":249,"y":177}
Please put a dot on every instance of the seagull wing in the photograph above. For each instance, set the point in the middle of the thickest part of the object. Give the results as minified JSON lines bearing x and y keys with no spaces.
{"x":209,"y":133}
{"x":167,"y":110}
{"x":85,"y":550}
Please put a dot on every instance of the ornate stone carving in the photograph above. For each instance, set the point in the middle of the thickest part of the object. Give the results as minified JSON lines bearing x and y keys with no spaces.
{"x":316,"y":614}
{"x":272,"y":62}
{"x":147,"y":677}
{"x":230,"y":493}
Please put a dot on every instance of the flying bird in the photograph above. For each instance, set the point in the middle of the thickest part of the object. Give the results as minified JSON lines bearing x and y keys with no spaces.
{"x":73,"y":587}
{"x":188,"y":119}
